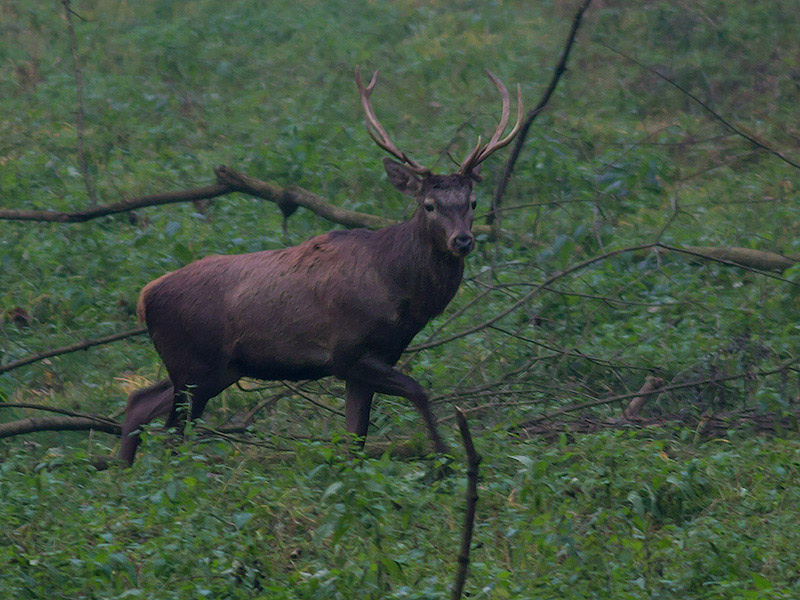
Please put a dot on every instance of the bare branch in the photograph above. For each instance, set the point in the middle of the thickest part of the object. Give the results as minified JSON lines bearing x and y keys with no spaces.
{"x":473,"y":460}
{"x":79,"y":125}
{"x":316,"y":204}
{"x":527,"y":297}
{"x":561,"y":66}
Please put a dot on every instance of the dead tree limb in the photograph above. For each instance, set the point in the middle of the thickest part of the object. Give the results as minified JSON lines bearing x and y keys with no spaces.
{"x":473,"y":460}
{"x":715,"y":257}
{"x":561,"y":66}
{"x":71,"y":348}
{"x":228,"y":181}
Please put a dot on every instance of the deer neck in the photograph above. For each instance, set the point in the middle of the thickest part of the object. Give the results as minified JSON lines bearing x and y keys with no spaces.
{"x":424,"y":276}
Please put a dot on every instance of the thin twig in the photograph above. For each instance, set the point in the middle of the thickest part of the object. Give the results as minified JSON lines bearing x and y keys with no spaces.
{"x":308,"y":398}
{"x":473,"y":460}
{"x":667,"y":388}
{"x":71,"y":348}
{"x":87,"y":180}
{"x":527,"y":297}
{"x":55,"y":409}
{"x":561,"y":66}
{"x":727,"y":124}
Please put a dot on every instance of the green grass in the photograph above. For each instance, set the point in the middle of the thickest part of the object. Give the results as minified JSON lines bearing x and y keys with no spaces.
{"x":174,"y":89}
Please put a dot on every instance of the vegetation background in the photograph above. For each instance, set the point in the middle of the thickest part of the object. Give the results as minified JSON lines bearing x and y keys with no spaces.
{"x":619,"y":158}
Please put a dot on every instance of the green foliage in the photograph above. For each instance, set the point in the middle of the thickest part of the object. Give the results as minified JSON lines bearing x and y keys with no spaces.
{"x":174,"y":89}
{"x":609,"y":516}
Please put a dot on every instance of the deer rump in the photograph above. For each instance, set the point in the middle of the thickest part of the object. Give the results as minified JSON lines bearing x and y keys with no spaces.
{"x":334,"y":305}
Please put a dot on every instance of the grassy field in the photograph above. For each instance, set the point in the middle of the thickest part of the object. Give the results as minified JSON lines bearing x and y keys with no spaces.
{"x":619,"y":158}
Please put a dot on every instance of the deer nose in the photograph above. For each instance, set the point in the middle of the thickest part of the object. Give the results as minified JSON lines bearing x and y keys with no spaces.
{"x":463,"y":243}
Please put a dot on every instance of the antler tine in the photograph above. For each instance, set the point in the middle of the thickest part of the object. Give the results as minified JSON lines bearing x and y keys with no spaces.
{"x":468,"y":162}
{"x":376,"y":130}
{"x":479,"y":154}
{"x":506,"y":110}
{"x":511,"y":134}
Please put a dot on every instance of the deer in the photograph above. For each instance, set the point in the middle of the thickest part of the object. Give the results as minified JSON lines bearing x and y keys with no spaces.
{"x":344,"y":304}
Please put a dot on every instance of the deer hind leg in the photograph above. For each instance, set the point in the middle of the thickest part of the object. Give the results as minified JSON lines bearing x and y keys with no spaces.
{"x":357,"y":404}
{"x":385,"y":379}
{"x":143,"y":406}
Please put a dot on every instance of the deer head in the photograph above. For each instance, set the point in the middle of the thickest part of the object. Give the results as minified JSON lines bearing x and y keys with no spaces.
{"x":445,"y":204}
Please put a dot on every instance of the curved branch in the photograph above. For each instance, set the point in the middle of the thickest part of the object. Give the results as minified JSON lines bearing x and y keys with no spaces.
{"x":762,"y":260}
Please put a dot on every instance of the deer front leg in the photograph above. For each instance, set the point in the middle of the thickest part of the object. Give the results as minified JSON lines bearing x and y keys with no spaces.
{"x":384,"y":379}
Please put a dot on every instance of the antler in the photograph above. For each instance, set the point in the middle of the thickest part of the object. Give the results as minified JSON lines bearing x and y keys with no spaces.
{"x":376,"y":130}
{"x":481,"y":153}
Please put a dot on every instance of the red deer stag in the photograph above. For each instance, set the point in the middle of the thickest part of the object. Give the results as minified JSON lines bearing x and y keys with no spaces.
{"x":345,"y":303}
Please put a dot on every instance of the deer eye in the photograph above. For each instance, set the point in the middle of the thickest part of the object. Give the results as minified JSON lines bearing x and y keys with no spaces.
{"x":473,"y":204}
{"x":429,"y":206}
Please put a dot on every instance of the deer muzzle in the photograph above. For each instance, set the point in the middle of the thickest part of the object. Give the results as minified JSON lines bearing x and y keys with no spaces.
{"x":461,"y":243}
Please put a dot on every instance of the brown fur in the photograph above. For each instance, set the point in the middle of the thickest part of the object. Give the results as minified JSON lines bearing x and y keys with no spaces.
{"x":343,"y":304}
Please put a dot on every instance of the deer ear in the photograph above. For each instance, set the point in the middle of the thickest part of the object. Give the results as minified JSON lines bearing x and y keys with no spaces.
{"x":403,"y":179}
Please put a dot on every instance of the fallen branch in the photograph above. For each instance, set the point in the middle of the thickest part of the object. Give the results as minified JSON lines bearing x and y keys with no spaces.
{"x":761,"y":260}
{"x":316,"y":204}
{"x":36,"y":424}
{"x":473,"y":460}
{"x":561,"y":66}
{"x":71,"y":348}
